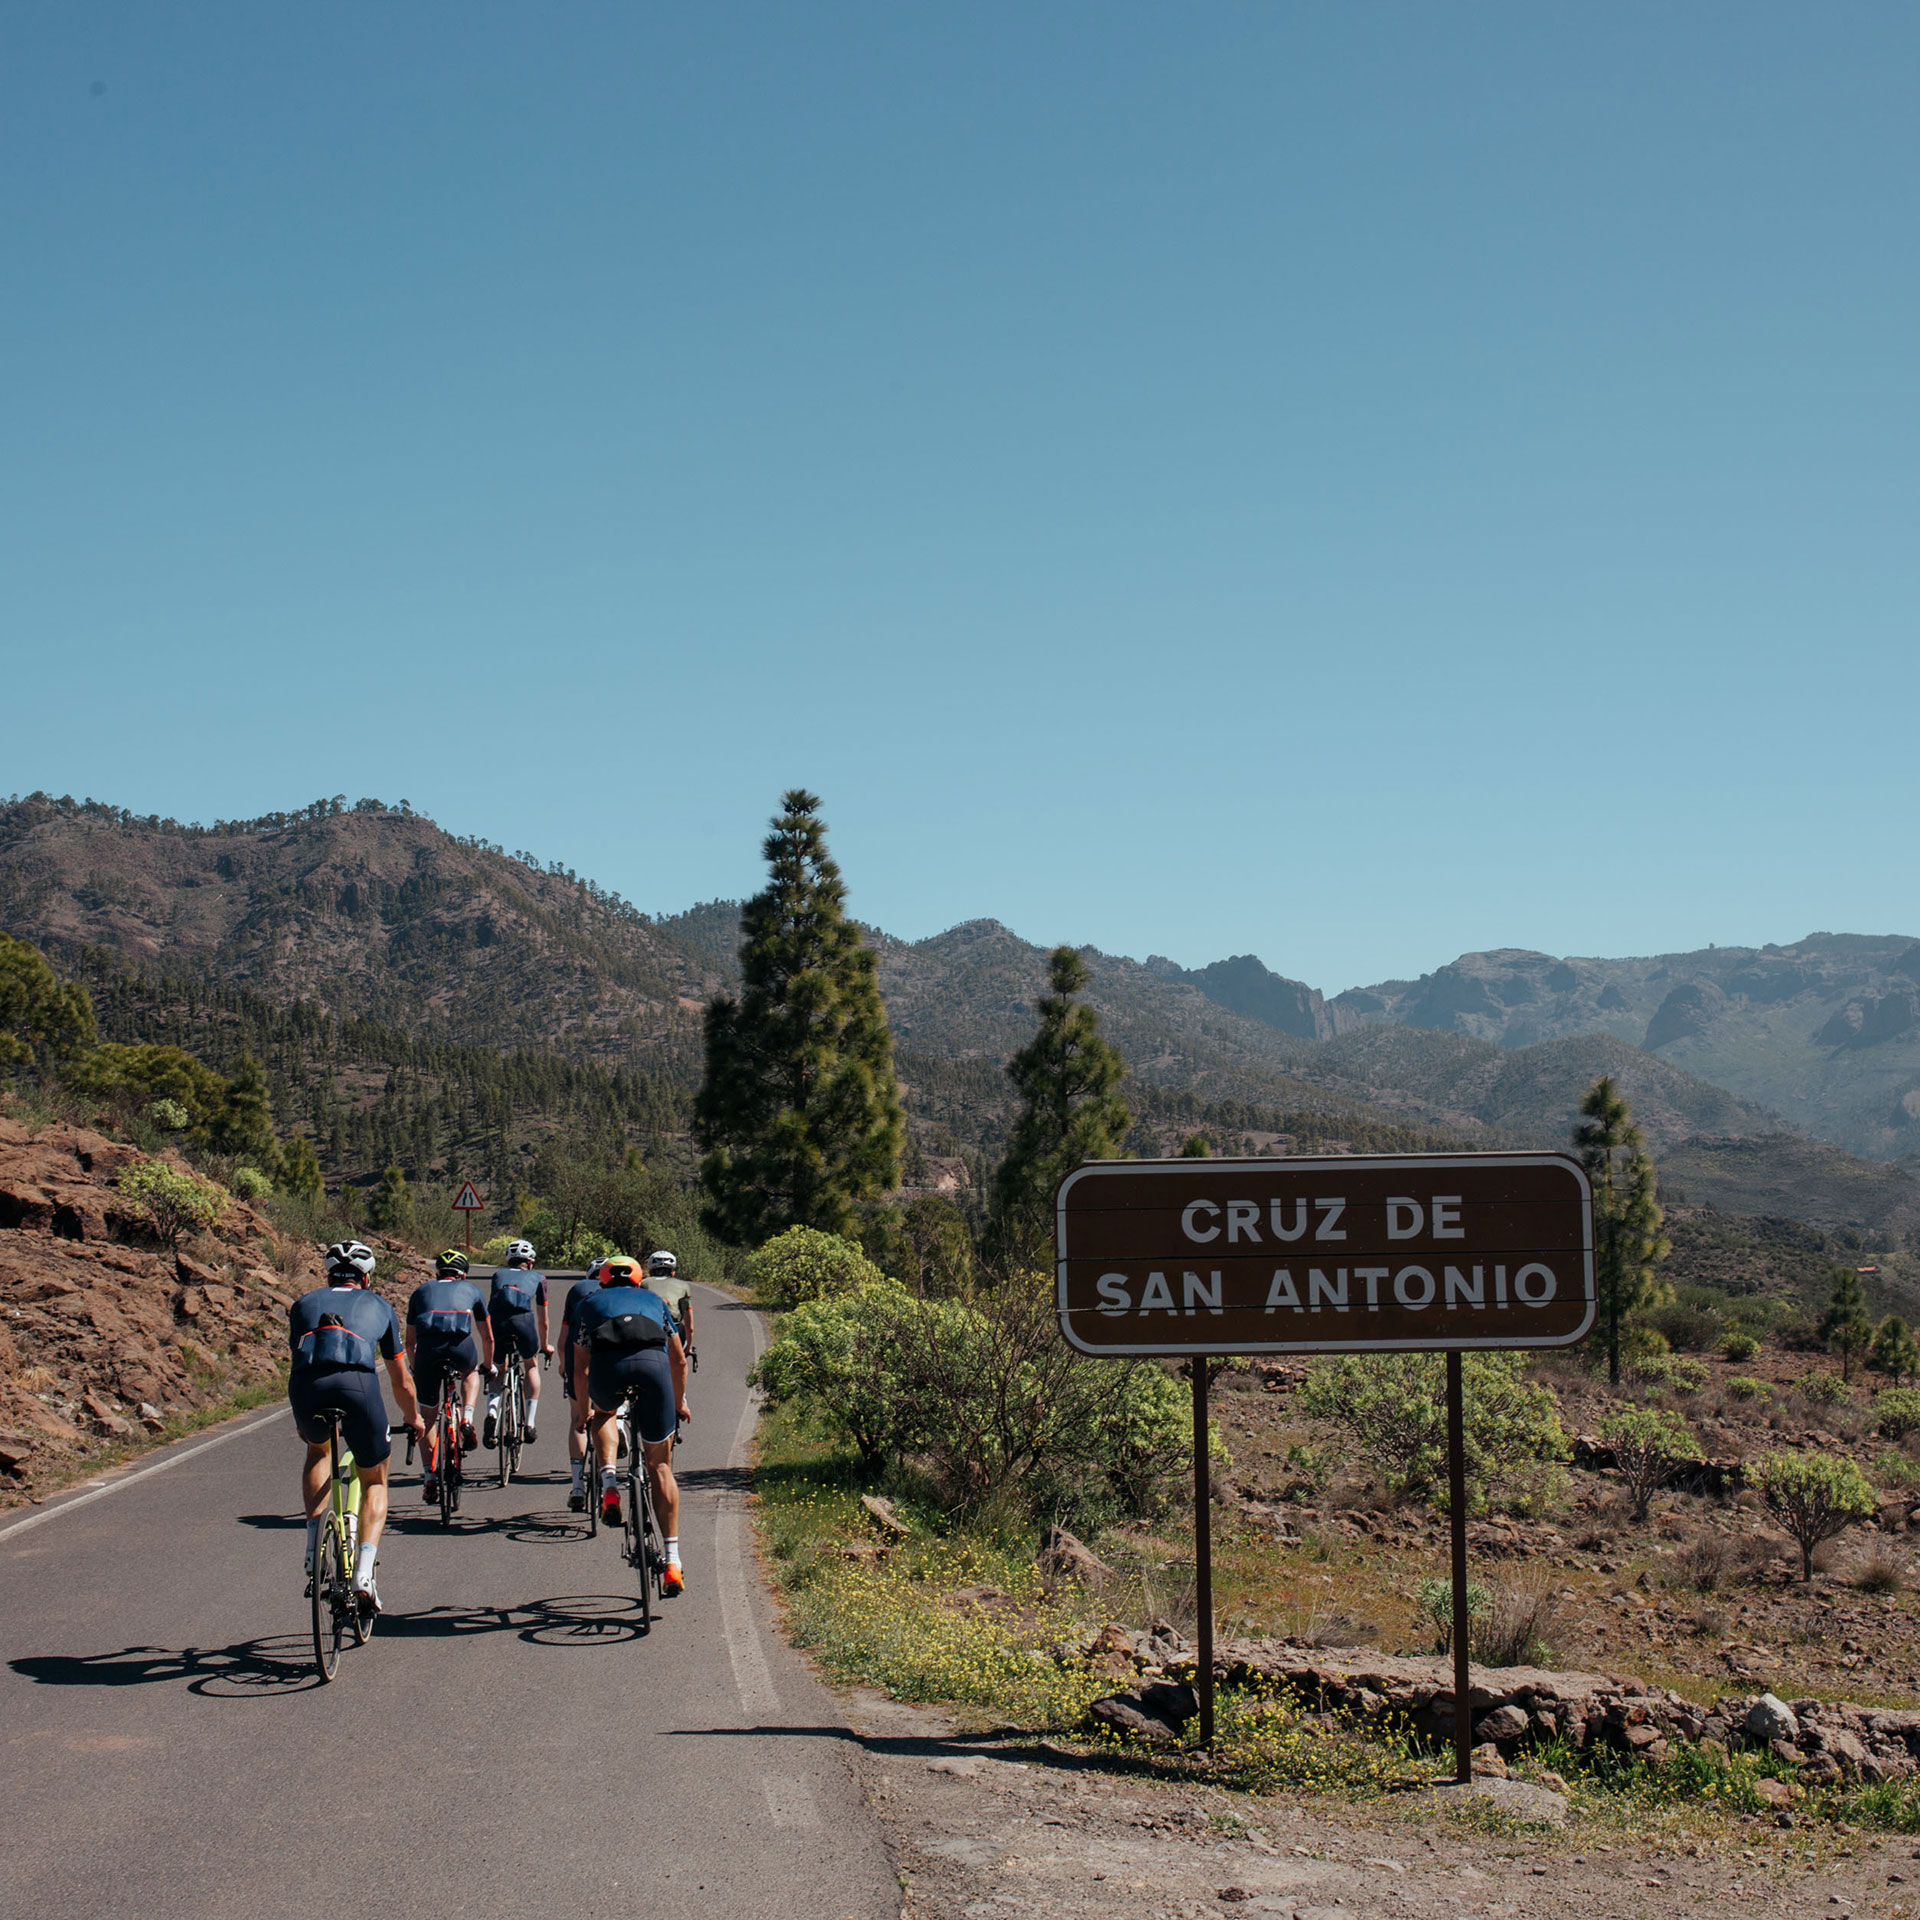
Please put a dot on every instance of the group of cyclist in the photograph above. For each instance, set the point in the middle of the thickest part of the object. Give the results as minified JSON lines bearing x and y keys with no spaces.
{"x":625,"y":1337}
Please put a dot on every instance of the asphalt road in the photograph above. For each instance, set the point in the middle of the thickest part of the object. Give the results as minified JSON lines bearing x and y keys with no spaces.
{"x":508,"y":1741}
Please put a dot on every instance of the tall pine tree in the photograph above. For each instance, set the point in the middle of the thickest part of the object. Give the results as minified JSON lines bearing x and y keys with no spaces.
{"x":1066,"y":1076}
{"x":1628,"y":1242}
{"x":1845,"y":1327}
{"x":798,"y":1117}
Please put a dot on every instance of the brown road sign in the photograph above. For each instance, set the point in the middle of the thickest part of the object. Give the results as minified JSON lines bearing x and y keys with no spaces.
{"x":1344,"y":1255}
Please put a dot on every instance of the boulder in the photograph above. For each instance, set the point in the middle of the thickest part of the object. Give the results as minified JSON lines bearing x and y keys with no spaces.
{"x":1154,"y":1713}
{"x":1063,"y":1556}
{"x":1502,"y":1725}
{"x":1770,"y":1719}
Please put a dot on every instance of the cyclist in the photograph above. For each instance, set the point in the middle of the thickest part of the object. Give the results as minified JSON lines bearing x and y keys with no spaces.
{"x":517,"y":1308}
{"x":449,"y":1338}
{"x":338,"y":1332}
{"x":624,"y":1340}
{"x":663,"y":1278}
{"x":577,"y":1411}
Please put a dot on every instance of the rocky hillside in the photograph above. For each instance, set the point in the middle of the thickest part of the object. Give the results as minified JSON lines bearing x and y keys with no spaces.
{"x":105,"y":1337}
{"x":1826,"y":1031}
{"x":363,"y":910}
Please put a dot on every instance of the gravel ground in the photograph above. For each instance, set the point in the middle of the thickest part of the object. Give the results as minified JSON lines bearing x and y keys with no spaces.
{"x":984,"y":1828}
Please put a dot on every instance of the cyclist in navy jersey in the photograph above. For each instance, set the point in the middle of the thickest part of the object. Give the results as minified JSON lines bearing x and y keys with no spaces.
{"x":625,"y":1343}
{"x":339,"y":1334}
{"x":449,"y":1339}
{"x":517,"y":1307}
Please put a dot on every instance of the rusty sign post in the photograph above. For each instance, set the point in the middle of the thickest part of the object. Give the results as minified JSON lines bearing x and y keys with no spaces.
{"x":1430,"y":1253}
{"x":467,"y":1204}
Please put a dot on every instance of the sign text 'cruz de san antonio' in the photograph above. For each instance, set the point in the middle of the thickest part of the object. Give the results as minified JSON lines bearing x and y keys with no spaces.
{"x":1239,"y":1256}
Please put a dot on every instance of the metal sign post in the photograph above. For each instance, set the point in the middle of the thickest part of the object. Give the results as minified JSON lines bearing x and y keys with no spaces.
{"x":1429,"y":1253}
{"x":467,"y":1203}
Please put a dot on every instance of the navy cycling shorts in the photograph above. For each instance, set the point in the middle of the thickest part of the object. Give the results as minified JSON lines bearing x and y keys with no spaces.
{"x":437,"y":1361}
{"x":515,"y":1333}
{"x":610,"y":1374}
{"x":355,"y":1395}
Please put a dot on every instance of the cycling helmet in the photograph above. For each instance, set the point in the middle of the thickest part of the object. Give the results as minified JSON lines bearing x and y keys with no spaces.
{"x":594,"y":1265}
{"x":452,"y":1261}
{"x":519,"y":1250}
{"x":349,"y":1260}
{"x":662,"y":1262}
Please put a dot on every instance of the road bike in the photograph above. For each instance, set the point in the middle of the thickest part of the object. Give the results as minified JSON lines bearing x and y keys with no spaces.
{"x":337,"y":1613}
{"x":510,"y":1433}
{"x":640,"y":1543}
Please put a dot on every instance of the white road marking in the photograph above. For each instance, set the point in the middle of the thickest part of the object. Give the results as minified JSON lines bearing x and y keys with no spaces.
{"x":790,"y":1801}
{"x":752,"y":1678}
{"x":102,"y":1488}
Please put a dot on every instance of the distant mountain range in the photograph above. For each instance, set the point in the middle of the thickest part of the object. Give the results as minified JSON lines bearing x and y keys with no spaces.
{"x":1748,"y":1068}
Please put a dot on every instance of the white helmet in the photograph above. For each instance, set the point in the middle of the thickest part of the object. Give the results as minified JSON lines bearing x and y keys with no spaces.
{"x":349,"y":1260}
{"x":519,"y":1250}
{"x":662,"y":1263}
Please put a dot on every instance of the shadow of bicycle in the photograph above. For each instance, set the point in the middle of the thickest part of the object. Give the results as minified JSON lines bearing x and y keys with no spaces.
{"x":274,"y":1664}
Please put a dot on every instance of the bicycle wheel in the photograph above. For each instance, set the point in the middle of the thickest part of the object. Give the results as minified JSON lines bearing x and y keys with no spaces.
{"x":519,"y":1428}
{"x":329,"y":1585}
{"x":503,"y":1448}
{"x":640,"y":1533}
{"x":449,"y":1462}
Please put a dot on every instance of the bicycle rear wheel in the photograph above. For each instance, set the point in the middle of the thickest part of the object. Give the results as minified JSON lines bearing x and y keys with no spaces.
{"x":503,"y":1444}
{"x":449,"y":1463}
{"x":519,"y":1428}
{"x":329,"y":1590}
{"x":639,"y":1539}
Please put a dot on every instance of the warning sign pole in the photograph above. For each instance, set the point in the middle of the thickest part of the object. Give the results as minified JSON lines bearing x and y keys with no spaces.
{"x":467,"y":1203}
{"x":1203,"y":1544}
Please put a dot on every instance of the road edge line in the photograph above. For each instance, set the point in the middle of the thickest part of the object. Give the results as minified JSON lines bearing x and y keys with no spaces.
{"x":140,"y":1473}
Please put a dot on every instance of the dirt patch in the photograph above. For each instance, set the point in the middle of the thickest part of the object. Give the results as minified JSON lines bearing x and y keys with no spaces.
{"x":987,"y":1828}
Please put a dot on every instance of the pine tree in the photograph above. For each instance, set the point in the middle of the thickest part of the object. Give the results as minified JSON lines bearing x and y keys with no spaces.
{"x":798,"y":1117}
{"x":300,"y":1170}
{"x":1628,"y":1243}
{"x":391,"y":1203}
{"x":244,"y":1124}
{"x":1845,"y":1328}
{"x":1069,"y":1112}
{"x":1895,"y":1352}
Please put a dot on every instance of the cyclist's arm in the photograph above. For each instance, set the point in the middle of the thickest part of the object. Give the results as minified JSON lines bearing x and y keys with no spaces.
{"x":412,"y":1343}
{"x":686,"y":1316}
{"x":540,"y":1323}
{"x":484,"y":1326}
{"x":402,"y":1377}
{"x":581,"y":1408}
{"x":677,"y":1366}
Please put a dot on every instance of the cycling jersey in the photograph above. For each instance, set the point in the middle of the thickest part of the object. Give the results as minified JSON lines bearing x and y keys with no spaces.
{"x":444,"y":1311}
{"x":676,"y":1293}
{"x":622,"y":1317}
{"x":371,"y":1333}
{"x":516,"y":1290}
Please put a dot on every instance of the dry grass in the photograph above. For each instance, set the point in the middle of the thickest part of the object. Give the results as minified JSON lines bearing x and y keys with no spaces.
{"x":1520,"y":1624}
{"x":1884,"y":1570}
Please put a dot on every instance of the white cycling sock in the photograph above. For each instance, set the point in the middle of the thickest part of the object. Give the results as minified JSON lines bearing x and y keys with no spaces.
{"x":609,"y":1477}
{"x":313,"y":1540}
{"x":673,"y":1549}
{"x":579,"y":1473}
{"x":363,"y":1567}
{"x":493,"y":1406}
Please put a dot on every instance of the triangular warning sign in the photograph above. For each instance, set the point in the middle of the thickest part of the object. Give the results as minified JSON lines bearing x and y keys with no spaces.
{"x":469,"y":1201}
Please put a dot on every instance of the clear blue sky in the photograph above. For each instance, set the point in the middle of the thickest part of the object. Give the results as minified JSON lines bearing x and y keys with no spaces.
{"x":1345,"y":483}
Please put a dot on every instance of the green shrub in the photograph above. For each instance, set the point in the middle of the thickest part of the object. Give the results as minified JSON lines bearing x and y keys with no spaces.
{"x":249,"y":1183}
{"x":1823,"y":1389}
{"x":1433,"y":1600}
{"x":1688,"y":1325}
{"x":1814,"y":1496}
{"x":169,"y":1115}
{"x":1739,"y":1346}
{"x":841,"y":1363}
{"x":1896,"y":1469}
{"x":1648,"y":1443}
{"x":1745,"y":1386}
{"x":1896,"y":1413}
{"x":1642,"y":1342}
{"x":1391,"y":1411}
{"x":1663,"y":1370}
{"x":171,"y":1199}
{"x":805,"y":1264}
